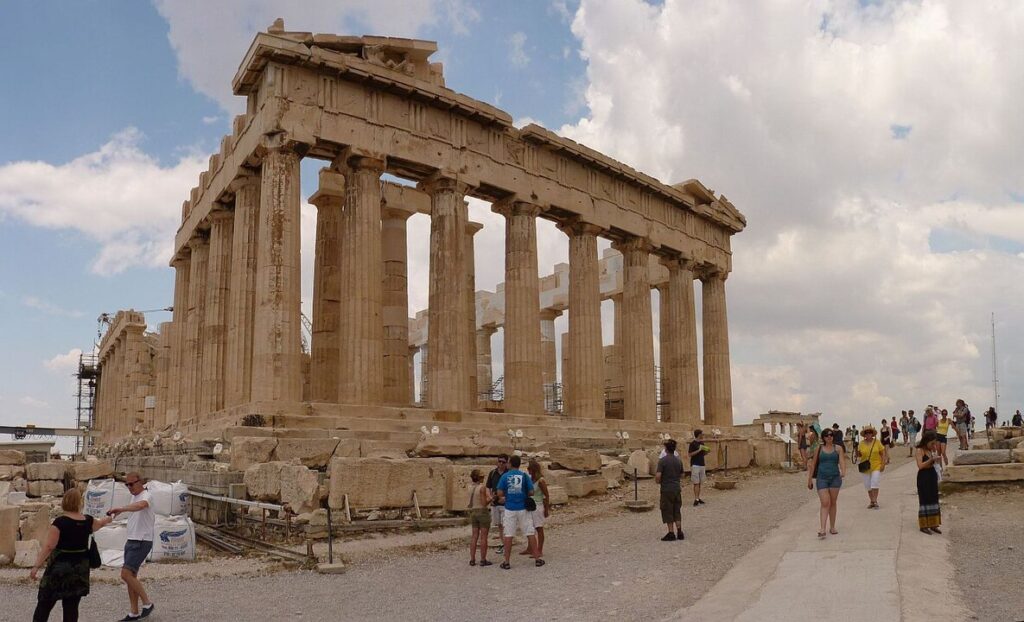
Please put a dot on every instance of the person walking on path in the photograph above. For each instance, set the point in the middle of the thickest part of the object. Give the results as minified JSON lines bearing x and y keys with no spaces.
{"x":812,"y":444}
{"x":66,"y":555}
{"x":828,"y":468}
{"x":696,"y":450}
{"x":961,"y":418}
{"x":929,"y":516}
{"x":837,"y":435}
{"x":497,"y":507}
{"x":669,"y":475}
{"x":931,"y":419}
{"x":479,"y":518}
{"x":941,"y":430}
{"x":991,"y":418}
{"x":872,"y":463}
{"x":886,"y":433}
{"x":913,"y":428}
{"x":895,"y":431}
{"x":543,"y":502}
{"x":514,"y":488}
{"x":141,"y":521}
{"x":801,"y":442}
{"x":905,"y":427}
{"x":854,"y":439}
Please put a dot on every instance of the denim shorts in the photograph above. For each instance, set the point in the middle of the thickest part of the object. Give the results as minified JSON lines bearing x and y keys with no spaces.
{"x":835,"y":481}
{"x":135,"y":552}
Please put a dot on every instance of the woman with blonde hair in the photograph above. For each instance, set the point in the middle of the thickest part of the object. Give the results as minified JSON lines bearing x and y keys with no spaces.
{"x":479,"y":517}
{"x":873,"y":458}
{"x":66,"y":555}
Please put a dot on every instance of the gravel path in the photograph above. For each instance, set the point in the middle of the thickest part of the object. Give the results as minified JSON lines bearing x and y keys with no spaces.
{"x":602,"y":562}
{"x":984,"y":524}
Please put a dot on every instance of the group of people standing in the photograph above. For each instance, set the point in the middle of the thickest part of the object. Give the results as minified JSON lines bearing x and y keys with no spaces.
{"x":511,"y":501}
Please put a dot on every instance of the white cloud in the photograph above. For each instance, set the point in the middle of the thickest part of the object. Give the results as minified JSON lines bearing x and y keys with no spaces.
{"x":32,"y":402}
{"x":838,"y":300}
{"x":517,"y":50}
{"x":117,"y":196}
{"x":209,"y":62}
{"x":210,"y":120}
{"x":64,"y":363}
{"x":33,"y":302}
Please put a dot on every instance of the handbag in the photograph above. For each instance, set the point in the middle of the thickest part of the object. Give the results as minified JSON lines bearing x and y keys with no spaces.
{"x":864,"y":466}
{"x":817,"y":459}
{"x":95,"y":561}
{"x":531,"y":505}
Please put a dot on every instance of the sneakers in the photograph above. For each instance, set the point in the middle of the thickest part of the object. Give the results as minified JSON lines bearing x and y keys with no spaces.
{"x":701,"y":501}
{"x":500,"y":550}
{"x":146,"y":610}
{"x":669,"y":537}
{"x":696,"y":502}
{"x":130,"y":618}
{"x":679,"y":535}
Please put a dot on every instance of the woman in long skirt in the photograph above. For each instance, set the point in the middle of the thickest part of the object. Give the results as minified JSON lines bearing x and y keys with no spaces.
{"x":929,"y":516}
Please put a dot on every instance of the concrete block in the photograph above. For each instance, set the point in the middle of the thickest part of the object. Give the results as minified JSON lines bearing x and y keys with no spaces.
{"x":488,"y":445}
{"x":10,"y":517}
{"x":985,"y":473}
{"x":11,"y":456}
{"x":263,"y":481}
{"x":313,"y":453}
{"x":983,"y":456}
{"x":613,"y":471}
{"x":382,"y":483}
{"x":586,"y":485}
{"x":347,"y":448}
{"x":576,"y":459}
{"x":46,"y":470}
{"x":26,"y":552}
{"x":558,"y":495}
{"x":335,"y":568}
{"x":554,"y":477}
{"x":1018,"y":454}
{"x":9,"y":471}
{"x":84,"y":471}
{"x":638,"y":465}
{"x":249,"y":450}
{"x":300,"y":488}
{"x":441,"y":445}
{"x":769,"y":452}
{"x":36,"y":524}
{"x":44,"y":487}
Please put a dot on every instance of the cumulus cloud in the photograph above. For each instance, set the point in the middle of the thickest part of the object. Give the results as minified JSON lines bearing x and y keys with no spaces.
{"x":855,"y":137}
{"x":64,"y":363}
{"x":517,"y":50}
{"x":118,"y":196}
{"x":210,"y":62}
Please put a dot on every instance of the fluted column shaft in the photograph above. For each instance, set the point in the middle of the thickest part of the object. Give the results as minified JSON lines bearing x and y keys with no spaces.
{"x":135,"y":398}
{"x":162,"y":373}
{"x":679,"y":369}
{"x":177,"y":338}
{"x":324,"y":370}
{"x":549,"y":356}
{"x":484,"y":371}
{"x":394,"y":240}
{"x":424,"y":375}
{"x":277,"y":322}
{"x":717,"y":374}
{"x":361,"y":348}
{"x":471,"y":352}
{"x":215,"y":321}
{"x":447,"y":367}
{"x":524,"y":388}
{"x":193,"y":363}
{"x":637,"y":347}
{"x":583,"y":377}
{"x":242,"y":291}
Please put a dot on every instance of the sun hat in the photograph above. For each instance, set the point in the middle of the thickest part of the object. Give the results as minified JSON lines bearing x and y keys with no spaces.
{"x":868,"y":428}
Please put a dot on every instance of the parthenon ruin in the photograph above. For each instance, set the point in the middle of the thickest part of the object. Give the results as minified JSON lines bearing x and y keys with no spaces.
{"x":376,"y":106}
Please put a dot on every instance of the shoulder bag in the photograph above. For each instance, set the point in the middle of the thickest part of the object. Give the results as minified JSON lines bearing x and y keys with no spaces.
{"x":864,"y":466}
{"x":817,"y":460}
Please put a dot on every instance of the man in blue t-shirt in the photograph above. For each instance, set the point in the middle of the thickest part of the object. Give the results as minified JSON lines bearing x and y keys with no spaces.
{"x":513,"y":489}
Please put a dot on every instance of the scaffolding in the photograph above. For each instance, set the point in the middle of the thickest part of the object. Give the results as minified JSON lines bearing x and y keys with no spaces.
{"x":88,"y":378}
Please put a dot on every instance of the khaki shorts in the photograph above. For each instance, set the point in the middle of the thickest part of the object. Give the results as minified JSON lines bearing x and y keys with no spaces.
{"x":480,"y":518}
{"x":698,"y":474}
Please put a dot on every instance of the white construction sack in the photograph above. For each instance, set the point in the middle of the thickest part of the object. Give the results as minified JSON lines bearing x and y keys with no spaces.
{"x":173,"y":538}
{"x":110,"y":541}
{"x":112,"y":558}
{"x":103,"y":494}
{"x":168,"y":499}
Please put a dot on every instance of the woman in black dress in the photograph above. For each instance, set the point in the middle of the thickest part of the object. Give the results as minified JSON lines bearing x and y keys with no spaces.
{"x":66,"y":555}
{"x":929,"y":516}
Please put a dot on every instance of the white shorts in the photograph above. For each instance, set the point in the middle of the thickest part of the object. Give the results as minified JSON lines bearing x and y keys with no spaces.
{"x":698,"y":474}
{"x":517,"y":520}
{"x":538,"y":516}
{"x":872,"y":479}
{"x":497,"y":512}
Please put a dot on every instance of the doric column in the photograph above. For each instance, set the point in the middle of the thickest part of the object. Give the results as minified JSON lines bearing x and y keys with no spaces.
{"x":617,"y":319}
{"x":412,"y":373}
{"x":177,"y":337}
{"x":524,"y":388}
{"x":548,"y":356}
{"x":161,"y":373}
{"x":663,"y":396}
{"x":583,"y":377}
{"x":471,"y":353}
{"x":717,"y":374}
{"x":193,"y":363}
{"x":424,"y":373}
{"x":394,"y":240}
{"x":134,"y":398}
{"x":215,"y":322}
{"x":242,"y":292}
{"x":679,"y":369}
{"x":329,"y":200}
{"x":447,"y":368}
{"x":637,"y":346}
{"x":361,"y":361}
{"x":277,"y":322}
{"x":484,"y":371}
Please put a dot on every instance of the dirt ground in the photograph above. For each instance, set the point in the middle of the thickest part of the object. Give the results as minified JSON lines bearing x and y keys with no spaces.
{"x":986,"y":526}
{"x":602,"y":562}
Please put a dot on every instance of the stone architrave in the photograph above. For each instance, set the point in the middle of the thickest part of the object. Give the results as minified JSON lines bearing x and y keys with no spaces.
{"x":176,"y":337}
{"x":395,"y":310}
{"x":214,"y":331}
{"x":717,"y":374}
{"x":277,"y":353}
{"x":637,"y":347}
{"x":484,"y":372}
{"x":583,"y":372}
{"x":193,"y":364}
{"x":329,"y":200}
{"x":361,"y":360}
{"x":447,"y":368}
{"x":471,"y":352}
{"x":524,"y":389}
{"x":242,"y":296}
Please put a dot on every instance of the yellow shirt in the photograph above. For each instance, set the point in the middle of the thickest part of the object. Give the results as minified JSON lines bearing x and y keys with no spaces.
{"x":943,"y":427}
{"x":875,"y":455}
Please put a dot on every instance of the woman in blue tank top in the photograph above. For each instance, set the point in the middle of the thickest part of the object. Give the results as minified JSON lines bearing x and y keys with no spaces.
{"x":828,"y":468}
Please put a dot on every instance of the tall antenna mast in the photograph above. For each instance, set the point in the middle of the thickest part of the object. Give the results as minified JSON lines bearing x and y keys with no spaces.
{"x":995,"y":375}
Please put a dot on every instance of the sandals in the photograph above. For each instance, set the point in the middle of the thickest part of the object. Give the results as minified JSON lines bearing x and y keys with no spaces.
{"x":936,"y":530}
{"x":505,"y":566}
{"x":833,"y":532}
{"x":538,"y":563}
{"x":926,"y":531}
{"x":472,"y":562}
{"x":486,"y":563}
{"x":821,"y":535}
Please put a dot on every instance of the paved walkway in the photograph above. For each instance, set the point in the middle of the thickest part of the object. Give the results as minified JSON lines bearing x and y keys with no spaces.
{"x":879,"y":568}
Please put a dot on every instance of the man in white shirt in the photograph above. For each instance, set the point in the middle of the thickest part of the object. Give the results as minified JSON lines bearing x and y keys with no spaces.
{"x":141,"y":520}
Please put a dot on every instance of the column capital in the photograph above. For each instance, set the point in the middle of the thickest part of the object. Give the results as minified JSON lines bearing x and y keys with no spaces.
{"x":394,"y":213}
{"x":181,"y":259}
{"x":199,"y":238}
{"x":488,"y":329}
{"x":244,"y":179}
{"x":709,"y":272}
{"x":678,"y":261}
{"x":473,"y":227}
{"x":576,"y":226}
{"x":354,"y":158}
{"x":632,"y":243}
{"x":283,"y":141}
{"x":440,"y":181}
{"x":550,"y":314}
{"x":331,"y":191}
{"x":511,"y":206}
{"x":220,"y":215}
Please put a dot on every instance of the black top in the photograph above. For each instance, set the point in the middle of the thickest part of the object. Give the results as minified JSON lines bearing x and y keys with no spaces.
{"x":837,"y":436}
{"x":671,"y":469}
{"x":74,"y":534}
{"x":697,"y":460}
{"x":492,"y":485}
